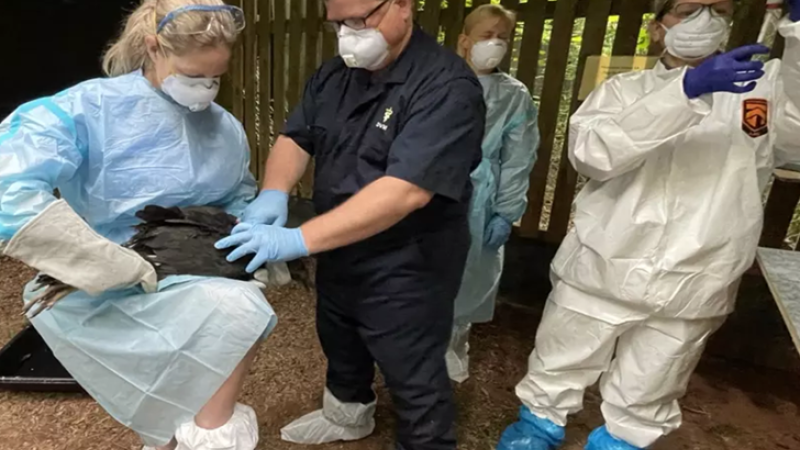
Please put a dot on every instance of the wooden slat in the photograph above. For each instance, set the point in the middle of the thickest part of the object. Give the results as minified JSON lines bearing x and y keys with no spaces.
{"x":506,"y":64}
{"x":618,"y":7}
{"x":225,"y":98}
{"x":778,"y":213}
{"x":534,"y":20}
{"x":630,"y":22}
{"x":250,"y":89}
{"x":237,"y":74}
{"x":748,"y":21}
{"x":328,"y":44}
{"x":593,"y":38}
{"x":453,"y":23}
{"x":557,"y":60}
{"x":533,"y":17}
{"x":280,"y":65}
{"x":265,"y":81}
{"x":312,"y":26}
{"x":295,"y":47}
{"x":778,"y":46}
{"x":429,"y":17}
{"x":329,"y":40}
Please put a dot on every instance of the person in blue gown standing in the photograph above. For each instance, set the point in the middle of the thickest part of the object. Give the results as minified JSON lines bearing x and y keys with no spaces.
{"x":501,"y":181}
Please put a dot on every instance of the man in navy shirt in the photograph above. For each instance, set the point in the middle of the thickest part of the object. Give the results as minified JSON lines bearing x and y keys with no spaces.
{"x":395,"y":125}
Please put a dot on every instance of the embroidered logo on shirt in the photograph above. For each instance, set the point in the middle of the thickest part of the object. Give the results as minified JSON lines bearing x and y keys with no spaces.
{"x":386,"y":116}
{"x":755,"y":117}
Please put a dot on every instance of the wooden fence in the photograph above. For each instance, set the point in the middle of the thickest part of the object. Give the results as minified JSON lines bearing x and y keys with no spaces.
{"x":286,"y":40}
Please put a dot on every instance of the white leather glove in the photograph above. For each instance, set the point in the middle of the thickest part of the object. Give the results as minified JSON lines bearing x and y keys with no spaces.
{"x":274,"y":275}
{"x":59,"y":243}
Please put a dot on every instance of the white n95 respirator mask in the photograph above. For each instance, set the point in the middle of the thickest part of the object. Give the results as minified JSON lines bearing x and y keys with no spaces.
{"x":698,"y":36}
{"x":193,"y":93}
{"x":363,"y":49}
{"x":486,"y":55}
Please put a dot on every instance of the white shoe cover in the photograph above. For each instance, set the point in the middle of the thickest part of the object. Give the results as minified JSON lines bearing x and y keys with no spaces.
{"x":240,"y":433}
{"x":457,"y":356}
{"x":336,"y":421}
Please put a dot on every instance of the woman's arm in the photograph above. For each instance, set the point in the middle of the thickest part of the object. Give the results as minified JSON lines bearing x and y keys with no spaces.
{"x":621,"y":124}
{"x":787,"y":97}
{"x":39,"y":149}
{"x":237,"y":200}
{"x":517,"y":157}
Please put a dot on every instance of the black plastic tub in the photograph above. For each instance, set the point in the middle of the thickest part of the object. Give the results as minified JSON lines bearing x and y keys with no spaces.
{"x":28,"y":365}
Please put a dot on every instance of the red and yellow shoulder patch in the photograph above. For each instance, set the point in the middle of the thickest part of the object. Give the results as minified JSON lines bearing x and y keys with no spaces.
{"x":755,"y":117}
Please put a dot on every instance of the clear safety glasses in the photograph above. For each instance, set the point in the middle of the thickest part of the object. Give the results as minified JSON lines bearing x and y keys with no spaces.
{"x":686,"y":10}
{"x":356,"y":23}
{"x":199,"y":19}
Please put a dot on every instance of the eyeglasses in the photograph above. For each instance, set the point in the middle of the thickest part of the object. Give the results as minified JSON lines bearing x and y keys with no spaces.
{"x":686,"y":10}
{"x":355,"y":23}
{"x":231,"y":17}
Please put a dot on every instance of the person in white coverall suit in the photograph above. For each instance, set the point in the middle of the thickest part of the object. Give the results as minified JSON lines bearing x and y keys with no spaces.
{"x":678,"y":158}
{"x":500,"y":182}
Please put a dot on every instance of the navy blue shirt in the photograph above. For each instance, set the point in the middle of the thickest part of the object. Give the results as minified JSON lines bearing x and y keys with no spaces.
{"x":420,"y":120}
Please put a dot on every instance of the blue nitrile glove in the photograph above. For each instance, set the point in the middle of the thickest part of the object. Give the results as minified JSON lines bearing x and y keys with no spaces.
{"x":498,"y":230}
{"x":722,"y":72}
{"x":601,"y":439}
{"x":270,"y":244}
{"x":794,"y":10}
{"x":531,"y":433}
{"x":271,"y":207}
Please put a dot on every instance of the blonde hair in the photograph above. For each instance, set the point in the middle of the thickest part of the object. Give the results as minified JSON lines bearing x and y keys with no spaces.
{"x":129,"y":52}
{"x":483,"y":12}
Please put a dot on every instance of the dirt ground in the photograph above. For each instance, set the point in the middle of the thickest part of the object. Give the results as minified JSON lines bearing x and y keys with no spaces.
{"x":729,"y":406}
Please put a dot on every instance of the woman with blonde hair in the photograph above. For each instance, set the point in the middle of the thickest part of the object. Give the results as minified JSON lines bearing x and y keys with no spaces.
{"x":168,"y":358}
{"x":501,"y":181}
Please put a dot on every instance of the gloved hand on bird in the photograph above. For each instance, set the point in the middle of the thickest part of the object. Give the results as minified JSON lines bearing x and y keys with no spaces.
{"x":168,"y":241}
{"x":59,"y":243}
{"x":270,"y":243}
{"x":721,"y":73}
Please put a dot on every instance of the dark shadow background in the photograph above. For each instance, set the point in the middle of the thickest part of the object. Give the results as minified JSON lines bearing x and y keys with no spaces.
{"x":49,"y":45}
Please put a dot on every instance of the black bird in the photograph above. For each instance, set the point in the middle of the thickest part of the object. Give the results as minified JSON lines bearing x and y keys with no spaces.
{"x":180,"y":241}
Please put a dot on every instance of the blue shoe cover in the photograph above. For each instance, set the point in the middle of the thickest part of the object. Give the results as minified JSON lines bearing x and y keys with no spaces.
{"x":601,"y":439}
{"x":531,"y":433}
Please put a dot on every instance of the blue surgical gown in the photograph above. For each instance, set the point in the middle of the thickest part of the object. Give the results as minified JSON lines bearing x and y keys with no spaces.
{"x":111,"y":146}
{"x":500,"y":183}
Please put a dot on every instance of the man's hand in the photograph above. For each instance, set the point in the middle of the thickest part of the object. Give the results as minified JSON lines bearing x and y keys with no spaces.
{"x":722,"y":72}
{"x":268,"y":242}
{"x":271,"y":207}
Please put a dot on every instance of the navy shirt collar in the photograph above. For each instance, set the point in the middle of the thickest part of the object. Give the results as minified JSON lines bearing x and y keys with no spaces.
{"x":399,"y":70}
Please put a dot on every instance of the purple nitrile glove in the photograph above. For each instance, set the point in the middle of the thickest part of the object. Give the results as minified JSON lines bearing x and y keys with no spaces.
{"x":722,"y":72}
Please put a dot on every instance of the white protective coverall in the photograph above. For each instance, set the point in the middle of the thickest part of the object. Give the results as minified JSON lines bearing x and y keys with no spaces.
{"x":663,"y":231}
{"x":500,"y":185}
